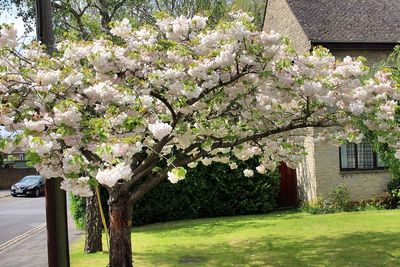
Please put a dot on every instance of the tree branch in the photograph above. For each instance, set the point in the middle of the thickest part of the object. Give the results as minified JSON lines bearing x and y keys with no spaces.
{"x":166,"y":103}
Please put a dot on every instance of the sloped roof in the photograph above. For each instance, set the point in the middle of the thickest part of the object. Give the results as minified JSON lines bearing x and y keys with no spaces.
{"x":349,"y":20}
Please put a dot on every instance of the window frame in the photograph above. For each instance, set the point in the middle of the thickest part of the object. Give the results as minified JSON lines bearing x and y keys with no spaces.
{"x":356,"y":168}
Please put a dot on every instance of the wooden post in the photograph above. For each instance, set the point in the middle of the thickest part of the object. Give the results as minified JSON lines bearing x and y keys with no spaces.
{"x":56,"y":204}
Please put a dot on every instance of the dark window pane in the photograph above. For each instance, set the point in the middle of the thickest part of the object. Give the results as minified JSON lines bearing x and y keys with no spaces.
{"x":365,"y":156}
{"x":348,"y":156}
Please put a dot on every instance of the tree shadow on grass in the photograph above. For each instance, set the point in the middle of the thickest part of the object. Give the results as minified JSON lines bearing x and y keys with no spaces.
{"x":357,"y":249}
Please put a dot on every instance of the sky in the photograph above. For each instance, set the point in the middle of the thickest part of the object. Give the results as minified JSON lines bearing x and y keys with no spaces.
{"x":10,"y":18}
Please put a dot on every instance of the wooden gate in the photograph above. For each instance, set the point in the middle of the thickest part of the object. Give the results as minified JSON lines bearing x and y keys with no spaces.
{"x":287,"y":196}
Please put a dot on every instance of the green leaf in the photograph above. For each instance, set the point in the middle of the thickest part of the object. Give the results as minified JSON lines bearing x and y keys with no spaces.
{"x":180,"y":172}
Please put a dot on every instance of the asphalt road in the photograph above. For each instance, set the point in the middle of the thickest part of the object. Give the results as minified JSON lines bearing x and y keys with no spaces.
{"x":19,"y":215}
{"x":23,"y":238}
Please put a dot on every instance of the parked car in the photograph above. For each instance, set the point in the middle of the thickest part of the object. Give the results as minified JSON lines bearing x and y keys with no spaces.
{"x":32,"y":185}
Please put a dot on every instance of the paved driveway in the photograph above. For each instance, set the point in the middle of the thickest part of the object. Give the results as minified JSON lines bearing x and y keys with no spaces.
{"x":23,"y":239}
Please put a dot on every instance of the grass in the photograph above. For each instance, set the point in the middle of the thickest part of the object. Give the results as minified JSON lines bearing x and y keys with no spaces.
{"x":276,"y":239}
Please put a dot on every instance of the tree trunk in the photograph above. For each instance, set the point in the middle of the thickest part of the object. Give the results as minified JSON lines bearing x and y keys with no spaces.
{"x":93,"y":241}
{"x":120,"y":232}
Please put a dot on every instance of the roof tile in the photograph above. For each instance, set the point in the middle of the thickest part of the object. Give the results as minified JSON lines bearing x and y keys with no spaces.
{"x":349,"y":20}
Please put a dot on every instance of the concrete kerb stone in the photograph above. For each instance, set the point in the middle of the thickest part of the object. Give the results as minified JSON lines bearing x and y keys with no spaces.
{"x":4,"y":193}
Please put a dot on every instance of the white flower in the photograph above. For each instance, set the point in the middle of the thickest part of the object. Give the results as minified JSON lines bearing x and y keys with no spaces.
{"x":78,"y":187}
{"x":160,"y":129}
{"x":103,"y":92}
{"x":8,"y":36}
{"x":192,"y":92}
{"x":109,"y":177}
{"x":206,"y":161}
{"x":248,"y":173}
{"x":173,"y":178}
{"x":357,"y":108}
{"x":261,"y":169}
{"x":122,"y":29}
{"x":199,"y":22}
{"x":146,"y":101}
{"x":49,"y":171}
{"x":119,"y":149}
{"x":9,"y":148}
{"x":47,"y":77}
{"x":135,"y":148}
{"x":74,"y":79}
{"x":193,"y":164}
{"x":37,"y":126}
{"x":70,"y":116}
{"x":233,"y":166}
{"x":40,"y":146}
{"x":70,"y":162}
{"x":176,"y":174}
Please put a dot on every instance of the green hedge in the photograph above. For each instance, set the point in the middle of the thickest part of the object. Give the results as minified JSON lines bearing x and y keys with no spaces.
{"x":208,"y":191}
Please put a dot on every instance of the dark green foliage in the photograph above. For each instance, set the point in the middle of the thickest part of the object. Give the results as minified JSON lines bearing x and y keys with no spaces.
{"x":385,"y":201}
{"x":78,"y":210}
{"x":339,"y":201}
{"x":317,"y":206}
{"x":209,"y":191}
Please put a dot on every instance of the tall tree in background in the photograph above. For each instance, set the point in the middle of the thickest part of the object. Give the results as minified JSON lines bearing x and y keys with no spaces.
{"x":89,"y":18}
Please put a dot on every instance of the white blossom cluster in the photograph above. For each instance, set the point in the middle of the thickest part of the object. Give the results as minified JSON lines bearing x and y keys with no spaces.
{"x":113,"y":174}
{"x":78,"y":187}
{"x":173,"y":95}
{"x":8,"y":36}
{"x":160,"y":129}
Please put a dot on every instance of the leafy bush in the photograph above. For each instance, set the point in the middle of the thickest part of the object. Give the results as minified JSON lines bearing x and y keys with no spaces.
{"x":78,"y":208}
{"x":78,"y":211}
{"x":208,"y":191}
{"x":339,"y":199}
{"x":375,"y":203}
{"x":317,"y":206}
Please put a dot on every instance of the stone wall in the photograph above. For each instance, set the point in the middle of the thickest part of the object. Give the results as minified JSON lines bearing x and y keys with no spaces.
{"x":281,"y":19}
{"x":361,"y":184}
{"x":306,"y":179}
{"x":319,"y":173}
{"x":9,"y":176}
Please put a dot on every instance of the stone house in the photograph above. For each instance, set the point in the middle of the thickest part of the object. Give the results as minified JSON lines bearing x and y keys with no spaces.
{"x":367,"y":28}
{"x":16,"y":159}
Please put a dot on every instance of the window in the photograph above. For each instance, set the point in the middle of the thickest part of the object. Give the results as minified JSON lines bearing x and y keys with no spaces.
{"x":359,"y":157}
{"x":21,"y":156}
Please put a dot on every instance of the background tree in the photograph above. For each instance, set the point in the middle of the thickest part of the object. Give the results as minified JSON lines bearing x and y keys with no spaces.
{"x":90,"y":18}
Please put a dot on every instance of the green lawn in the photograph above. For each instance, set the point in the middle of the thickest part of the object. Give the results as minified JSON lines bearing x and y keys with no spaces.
{"x":276,"y":239}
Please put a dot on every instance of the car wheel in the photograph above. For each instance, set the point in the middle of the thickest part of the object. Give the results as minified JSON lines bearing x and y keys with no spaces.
{"x":37,"y":192}
{"x":14,"y":195}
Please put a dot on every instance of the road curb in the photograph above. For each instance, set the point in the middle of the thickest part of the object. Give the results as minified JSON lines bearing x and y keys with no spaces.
{"x":4,"y":196}
{"x":21,"y":237}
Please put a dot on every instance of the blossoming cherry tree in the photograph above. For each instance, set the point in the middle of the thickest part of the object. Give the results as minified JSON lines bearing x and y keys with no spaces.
{"x":142,"y":107}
